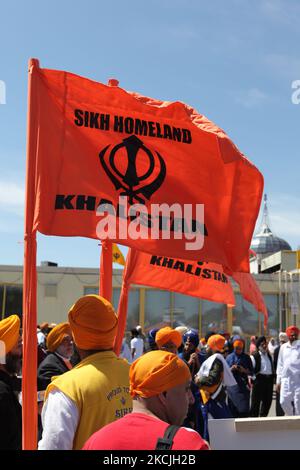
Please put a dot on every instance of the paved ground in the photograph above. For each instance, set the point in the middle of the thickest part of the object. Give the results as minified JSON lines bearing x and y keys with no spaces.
{"x":272,"y":411}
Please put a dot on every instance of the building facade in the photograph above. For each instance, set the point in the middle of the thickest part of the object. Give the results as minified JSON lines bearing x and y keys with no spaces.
{"x":59,"y":287}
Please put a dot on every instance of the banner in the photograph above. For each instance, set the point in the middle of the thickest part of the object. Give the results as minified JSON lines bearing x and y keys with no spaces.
{"x":196,"y":278}
{"x":99,"y":146}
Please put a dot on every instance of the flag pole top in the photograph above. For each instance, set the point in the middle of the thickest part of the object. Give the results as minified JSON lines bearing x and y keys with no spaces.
{"x":33,"y":63}
{"x":113,"y":82}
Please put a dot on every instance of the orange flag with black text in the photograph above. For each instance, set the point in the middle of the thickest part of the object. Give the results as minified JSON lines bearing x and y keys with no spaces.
{"x":196,"y":278}
{"x":97,"y":146}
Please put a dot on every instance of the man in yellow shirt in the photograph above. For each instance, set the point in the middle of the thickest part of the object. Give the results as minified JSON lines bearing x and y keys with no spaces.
{"x":96,"y":391}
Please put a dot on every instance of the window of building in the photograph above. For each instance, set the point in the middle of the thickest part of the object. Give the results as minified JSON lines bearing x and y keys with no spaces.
{"x":186,"y":311}
{"x":157,"y":308}
{"x":246,"y":319}
{"x":13,"y":301}
{"x":91,"y":290}
{"x":50,"y":290}
{"x":213,"y":316}
{"x":272,"y":303}
{"x":133,"y":310}
{"x":116,"y":297}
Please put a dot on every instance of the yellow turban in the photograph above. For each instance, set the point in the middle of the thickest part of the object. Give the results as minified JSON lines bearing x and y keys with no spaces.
{"x":156,"y":372}
{"x":93,"y":323}
{"x":57,"y":334}
{"x":166,"y":335}
{"x":216,"y":342}
{"x":10,"y":332}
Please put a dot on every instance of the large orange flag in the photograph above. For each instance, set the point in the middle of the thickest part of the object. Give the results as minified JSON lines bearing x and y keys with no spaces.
{"x":196,"y":278}
{"x":88,"y":144}
{"x":94,"y":143}
{"x":251,"y":292}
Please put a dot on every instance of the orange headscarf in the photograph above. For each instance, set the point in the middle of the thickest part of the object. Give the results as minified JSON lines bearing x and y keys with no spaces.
{"x":56,"y":336}
{"x":216,"y":342}
{"x":156,"y":372}
{"x":166,"y":335}
{"x":292,"y":329}
{"x":10,"y":332}
{"x":238,"y":343}
{"x":93,"y":323}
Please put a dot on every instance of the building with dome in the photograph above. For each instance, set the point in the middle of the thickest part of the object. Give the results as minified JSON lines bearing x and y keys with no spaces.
{"x":265,"y":243}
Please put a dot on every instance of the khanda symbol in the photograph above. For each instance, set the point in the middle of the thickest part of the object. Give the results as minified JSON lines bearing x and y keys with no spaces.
{"x":133,"y":184}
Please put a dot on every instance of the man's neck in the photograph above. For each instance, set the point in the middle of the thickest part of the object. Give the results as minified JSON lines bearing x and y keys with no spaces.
{"x":140,"y":407}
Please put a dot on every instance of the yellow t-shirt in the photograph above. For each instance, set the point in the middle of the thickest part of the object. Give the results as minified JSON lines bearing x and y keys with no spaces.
{"x":99,"y":386}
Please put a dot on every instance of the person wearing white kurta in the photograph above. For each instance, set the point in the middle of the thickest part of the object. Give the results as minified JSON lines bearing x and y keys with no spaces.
{"x":288,"y":373}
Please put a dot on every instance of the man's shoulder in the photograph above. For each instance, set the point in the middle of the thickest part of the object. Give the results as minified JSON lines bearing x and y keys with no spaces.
{"x":255,"y":354}
{"x":190,"y":438}
{"x":51,"y":358}
{"x":230,"y":356}
{"x":97,"y":367}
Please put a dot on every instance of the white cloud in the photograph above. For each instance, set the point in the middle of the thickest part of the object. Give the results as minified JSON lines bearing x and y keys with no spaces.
{"x":251,"y":98}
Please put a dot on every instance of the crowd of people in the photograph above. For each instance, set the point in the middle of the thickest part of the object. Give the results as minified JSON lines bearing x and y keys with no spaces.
{"x":159,"y":394}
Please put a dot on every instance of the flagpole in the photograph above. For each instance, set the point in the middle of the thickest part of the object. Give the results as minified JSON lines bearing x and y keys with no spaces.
{"x":123,"y":302}
{"x":122,"y":317}
{"x":106,"y":271}
{"x":106,"y":263}
{"x":29,"y":383}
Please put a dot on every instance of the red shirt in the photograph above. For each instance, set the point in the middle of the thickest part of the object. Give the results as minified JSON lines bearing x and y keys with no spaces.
{"x":138,"y":431}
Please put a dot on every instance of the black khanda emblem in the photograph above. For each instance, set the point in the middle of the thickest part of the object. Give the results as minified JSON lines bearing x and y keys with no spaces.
{"x":130,"y":181}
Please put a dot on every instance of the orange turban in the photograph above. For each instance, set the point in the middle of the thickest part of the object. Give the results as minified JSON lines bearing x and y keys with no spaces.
{"x":238,"y":343}
{"x":292,"y":329}
{"x":56,"y":336}
{"x":93,"y":323}
{"x":216,"y":342}
{"x":167,"y":335}
{"x":10,"y":332}
{"x":156,"y":372}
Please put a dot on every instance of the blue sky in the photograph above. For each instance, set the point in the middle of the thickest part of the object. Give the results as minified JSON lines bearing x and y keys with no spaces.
{"x":232,"y":60}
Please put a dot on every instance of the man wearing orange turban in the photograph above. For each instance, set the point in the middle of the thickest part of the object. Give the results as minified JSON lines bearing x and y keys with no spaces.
{"x":96,"y":391}
{"x":10,"y":365}
{"x":168,"y":339}
{"x":288,"y":373}
{"x":60,"y":346}
{"x":216,"y":343}
{"x":213,"y":377}
{"x":241,"y":367}
{"x":160,"y":387}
